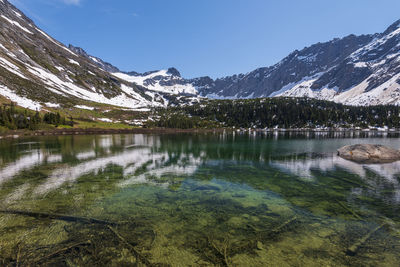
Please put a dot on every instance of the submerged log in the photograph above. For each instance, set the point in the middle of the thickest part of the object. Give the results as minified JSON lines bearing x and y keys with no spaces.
{"x":279,"y":229}
{"x":352,"y":250}
{"x":18,"y":255}
{"x":63,"y":250}
{"x":59,"y":217}
{"x":137,"y":254}
{"x":350,"y":210}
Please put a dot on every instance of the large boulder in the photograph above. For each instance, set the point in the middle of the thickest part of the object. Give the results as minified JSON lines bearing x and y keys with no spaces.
{"x":369,"y":153}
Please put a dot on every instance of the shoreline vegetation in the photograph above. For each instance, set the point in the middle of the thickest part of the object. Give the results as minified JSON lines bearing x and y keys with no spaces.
{"x":94,"y":131}
{"x":274,"y":113}
{"x":245,"y":115}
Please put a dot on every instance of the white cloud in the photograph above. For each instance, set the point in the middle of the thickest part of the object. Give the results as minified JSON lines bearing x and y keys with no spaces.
{"x":72,"y":2}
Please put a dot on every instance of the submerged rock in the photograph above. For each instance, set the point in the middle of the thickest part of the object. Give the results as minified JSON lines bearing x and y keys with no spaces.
{"x":369,"y":153}
{"x":207,"y":188}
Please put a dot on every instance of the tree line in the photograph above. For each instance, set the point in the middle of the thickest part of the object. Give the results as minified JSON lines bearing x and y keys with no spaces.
{"x":281,"y":112}
{"x":14,"y":118}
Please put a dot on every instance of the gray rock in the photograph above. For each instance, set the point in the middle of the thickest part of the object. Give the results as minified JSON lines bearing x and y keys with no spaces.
{"x":369,"y":153}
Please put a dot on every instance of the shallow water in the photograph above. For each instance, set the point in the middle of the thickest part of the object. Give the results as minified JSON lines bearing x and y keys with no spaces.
{"x":197,"y":199}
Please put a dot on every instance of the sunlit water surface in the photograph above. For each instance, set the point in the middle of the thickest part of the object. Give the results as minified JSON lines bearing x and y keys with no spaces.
{"x":197,"y":199}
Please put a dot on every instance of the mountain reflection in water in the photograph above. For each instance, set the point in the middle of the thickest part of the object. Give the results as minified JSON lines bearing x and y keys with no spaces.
{"x":186,"y":195}
{"x":142,"y":156}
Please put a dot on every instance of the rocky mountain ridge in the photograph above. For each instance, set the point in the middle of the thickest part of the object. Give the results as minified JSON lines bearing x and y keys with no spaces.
{"x":37,"y":72}
{"x":354,"y":70}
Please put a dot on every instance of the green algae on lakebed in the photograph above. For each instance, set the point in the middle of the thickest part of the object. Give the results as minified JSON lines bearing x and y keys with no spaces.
{"x":195,"y":199}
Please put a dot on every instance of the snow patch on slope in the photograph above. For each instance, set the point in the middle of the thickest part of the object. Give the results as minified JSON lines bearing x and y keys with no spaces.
{"x":17,"y":14}
{"x":84,"y":107}
{"x":21,"y":101}
{"x":73,"y":62}
{"x":11,"y":67}
{"x":374,"y":44}
{"x":52,"y":105}
{"x":139,"y":80}
{"x":303,"y":89}
{"x":361,"y":65}
{"x":16,"y":24}
{"x":56,"y":85}
{"x":384,"y":94}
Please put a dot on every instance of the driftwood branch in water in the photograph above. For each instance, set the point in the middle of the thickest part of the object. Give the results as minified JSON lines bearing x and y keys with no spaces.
{"x":60,"y":217}
{"x":349,"y":210}
{"x":283,"y":225}
{"x":352,"y":251}
{"x":18,"y":255}
{"x":137,"y":254}
{"x":68,"y":218}
{"x":222,"y":252}
{"x":63,"y":250}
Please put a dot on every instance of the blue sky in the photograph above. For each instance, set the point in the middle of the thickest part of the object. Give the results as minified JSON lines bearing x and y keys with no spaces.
{"x":204,"y":37}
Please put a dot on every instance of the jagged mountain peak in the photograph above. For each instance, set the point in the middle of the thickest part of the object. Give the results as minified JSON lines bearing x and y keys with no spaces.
{"x":393,"y":27}
{"x":174,"y":72}
{"x":323,"y":70}
{"x":168,"y":72}
{"x":77,"y":50}
{"x":97,"y":61}
{"x":113,"y":69}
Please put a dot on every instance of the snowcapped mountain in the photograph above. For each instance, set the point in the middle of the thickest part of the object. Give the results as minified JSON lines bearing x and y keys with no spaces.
{"x":160,"y":81}
{"x":167,"y":81}
{"x":354,"y":70}
{"x":37,"y":71}
{"x":368,"y":76}
{"x":298,"y":67}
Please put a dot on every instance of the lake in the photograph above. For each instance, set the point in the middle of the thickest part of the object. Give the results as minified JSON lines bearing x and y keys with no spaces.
{"x":223,"y":199}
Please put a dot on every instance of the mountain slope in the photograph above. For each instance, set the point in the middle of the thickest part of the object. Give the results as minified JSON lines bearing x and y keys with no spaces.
{"x":354,"y":70}
{"x":37,"y":71}
{"x":298,"y":66}
{"x":165,"y":84}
